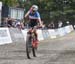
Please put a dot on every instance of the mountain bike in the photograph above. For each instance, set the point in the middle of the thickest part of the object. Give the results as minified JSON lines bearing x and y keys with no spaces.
{"x":31,"y":45}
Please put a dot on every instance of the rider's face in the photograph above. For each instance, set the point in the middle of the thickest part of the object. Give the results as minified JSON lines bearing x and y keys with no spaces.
{"x":33,"y":11}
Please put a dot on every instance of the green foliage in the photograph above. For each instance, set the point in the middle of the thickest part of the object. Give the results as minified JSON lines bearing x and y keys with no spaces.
{"x":55,"y":9}
{"x":49,"y":9}
{"x":10,"y":2}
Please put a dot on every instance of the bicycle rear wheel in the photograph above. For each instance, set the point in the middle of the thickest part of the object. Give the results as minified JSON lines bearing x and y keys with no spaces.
{"x":34,"y":51}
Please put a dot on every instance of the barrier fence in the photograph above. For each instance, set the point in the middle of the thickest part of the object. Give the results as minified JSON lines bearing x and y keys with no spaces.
{"x":5,"y":36}
{"x":6,"y":33}
{"x":52,"y":33}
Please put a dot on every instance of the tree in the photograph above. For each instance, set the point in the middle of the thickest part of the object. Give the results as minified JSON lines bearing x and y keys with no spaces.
{"x":10,"y":2}
{"x":50,"y":9}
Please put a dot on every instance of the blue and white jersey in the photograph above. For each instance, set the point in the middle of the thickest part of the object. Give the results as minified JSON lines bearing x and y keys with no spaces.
{"x":36,"y":15}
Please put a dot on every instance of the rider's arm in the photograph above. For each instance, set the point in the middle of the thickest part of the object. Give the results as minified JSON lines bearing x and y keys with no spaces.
{"x":39,"y":19}
{"x":28,"y":12}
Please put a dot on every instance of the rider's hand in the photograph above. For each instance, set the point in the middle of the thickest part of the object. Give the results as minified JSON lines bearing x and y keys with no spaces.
{"x":41,"y":25}
{"x":28,"y":12}
{"x":31,"y":9}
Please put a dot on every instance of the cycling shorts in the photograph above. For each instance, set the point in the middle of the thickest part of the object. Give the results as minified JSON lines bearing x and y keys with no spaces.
{"x":33,"y":22}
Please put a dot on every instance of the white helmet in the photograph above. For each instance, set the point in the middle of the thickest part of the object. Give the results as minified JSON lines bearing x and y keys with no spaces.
{"x":35,"y":7}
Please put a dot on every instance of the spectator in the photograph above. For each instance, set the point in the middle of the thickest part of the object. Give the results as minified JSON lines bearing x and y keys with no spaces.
{"x":60,"y":24}
{"x":51,"y":25}
{"x":20,"y":25}
{"x":10,"y":22}
{"x":68,"y":23}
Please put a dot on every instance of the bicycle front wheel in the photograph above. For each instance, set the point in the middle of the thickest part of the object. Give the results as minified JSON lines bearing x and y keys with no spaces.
{"x":28,"y":47}
{"x":28,"y":50}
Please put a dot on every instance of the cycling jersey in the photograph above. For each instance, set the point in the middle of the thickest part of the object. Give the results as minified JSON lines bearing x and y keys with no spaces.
{"x":34,"y":15}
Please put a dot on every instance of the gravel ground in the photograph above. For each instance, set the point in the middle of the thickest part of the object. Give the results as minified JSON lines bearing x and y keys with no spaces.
{"x":50,"y":51}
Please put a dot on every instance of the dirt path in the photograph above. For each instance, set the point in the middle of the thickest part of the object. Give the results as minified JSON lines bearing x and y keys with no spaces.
{"x":55,"y":51}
